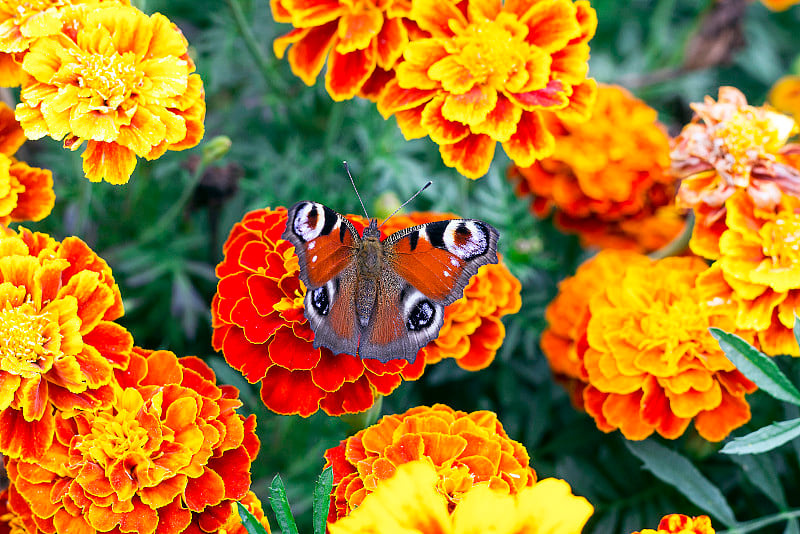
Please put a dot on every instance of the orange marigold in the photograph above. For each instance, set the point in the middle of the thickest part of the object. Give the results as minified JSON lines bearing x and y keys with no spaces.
{"x":758,"y":270}
{"x":170,"y":454}
{"x":120,"y":81}
{"x":361,"y":39}
{"x":26,"y":193}
{"x":651,"y":363}
{"x":607,"y":177}
{"x":234,"y":524}
{"x":785,"y":96}
{"x":59,"y":345}
{"x":681,"y":524}
{"x":467,"y":449}
{"x":731,"y":146}
{"x":411,"y":502}
{"x":260,"y":326}
{"x":488,"y":73}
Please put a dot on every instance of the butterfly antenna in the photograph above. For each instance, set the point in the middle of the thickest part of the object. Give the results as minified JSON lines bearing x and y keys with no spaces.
{"x":347,"y":168}
{"x":423,"y":188}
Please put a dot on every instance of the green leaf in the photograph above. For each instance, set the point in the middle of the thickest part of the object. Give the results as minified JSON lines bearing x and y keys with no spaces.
{"x":280,"y":505}
{"x":249,"y":521}
{"x":764,"y":439}
{"x":679,"y":472}
{"x":756,"y":366}
{"x":761,"y":471}
{"x":322,"y":500}
{"x":796,"y":328}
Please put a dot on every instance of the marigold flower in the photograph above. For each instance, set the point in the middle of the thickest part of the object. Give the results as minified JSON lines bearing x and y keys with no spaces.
{"x":169,"y":454}
{"x":260,"y":326}
{"x":758,"y":271}
{"x":488,"y":73}
{"x":411,"y":501}
{"x":234,"y":524}
{"x":651,"y":363}
{"x":467,"y":449}
{"x":681,"y":524}
{"x":779,"y":5}
{"x":120,"y":81}
{"x":785,"y":96}
{"x":362,"y":40}
{"x":607,"y":177}
{"x":731,"y":146}
{"x":59,"y":345}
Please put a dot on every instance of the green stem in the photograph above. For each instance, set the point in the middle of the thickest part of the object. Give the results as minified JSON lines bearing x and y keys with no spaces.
{"x":677,"y":245}
{"x":761,"y":522}
{"x":252,"y":44}
{"x":168,"y":219}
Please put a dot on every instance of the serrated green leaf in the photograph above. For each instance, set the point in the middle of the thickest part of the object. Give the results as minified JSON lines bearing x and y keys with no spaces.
{"x":680,"y":473}
{"x":280,"y":505}
{"x":761,"y":471}
{"x":764,"y":439}
{"x":249,"y":521}
{"x":756,"y":366}
{"x":322,"y":500}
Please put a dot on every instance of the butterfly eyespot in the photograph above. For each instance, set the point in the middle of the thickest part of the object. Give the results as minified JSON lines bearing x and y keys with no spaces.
{"x":421,"y":316}
{"x":321,"y":301}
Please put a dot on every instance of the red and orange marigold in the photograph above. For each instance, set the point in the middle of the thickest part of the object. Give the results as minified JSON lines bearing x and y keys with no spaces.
{"x":730,"y":146}
{"x":59,"y":345}
{"x":118,"y":80}
{"x":170,"y":455}
{"x":466,"y":449}
{"x":260,"y":326}
{"x":650,"y":361}
{"x":607,"y":178}
{"x":488,"y":73}
{"x":681,"y":524}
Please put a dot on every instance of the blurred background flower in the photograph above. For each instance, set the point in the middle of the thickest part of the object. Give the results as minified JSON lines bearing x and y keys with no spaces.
{"x":681,"y":524}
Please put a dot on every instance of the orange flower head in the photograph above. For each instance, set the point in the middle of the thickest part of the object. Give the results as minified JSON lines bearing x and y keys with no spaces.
{"x":26,"y":193}
{"x":118,"y":80}
{"x":170,"y":453}
{"x":466,"y":449}
{"x":785,"y":96}
{"x":410,"y":501}
{"x":681,"y":524}
{"x":361,"y":39}
{"x":59,"y":345}
{"x":260,"y":325}
{"x":731,"y":146}
{"x":652,"y":364}
{"x":608,"y":177}
{"x":489,"y":73}
{"x":758,"y":271}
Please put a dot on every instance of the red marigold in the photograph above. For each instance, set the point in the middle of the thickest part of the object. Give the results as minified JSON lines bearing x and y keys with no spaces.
{"x":681,"y":524}
{"x":170,"y":454}
{"x":488,"y":73}
{"x":60,"y":345}
{"x":260,"y":326}
{"x":650,"y":361}
{"x":361,"y":39}
{"x":607,"y":178}
{"x":731,"y":146}
{"x":467,"y":449}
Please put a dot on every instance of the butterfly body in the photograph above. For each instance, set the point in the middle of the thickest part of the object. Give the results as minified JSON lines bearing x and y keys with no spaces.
{"x":383,"y":299}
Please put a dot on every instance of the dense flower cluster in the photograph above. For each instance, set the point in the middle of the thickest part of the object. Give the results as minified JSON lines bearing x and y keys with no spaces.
{"x":730,"y":146}
{"x":170,"y":453}
{"x":260,"y":326}
{"x":116,"y":79}
{"x":466,"y":449}
{"x":59,"y":344}
{"x":411,"y":501}
{"x":607,"y":179}
{"x":681,"y":524}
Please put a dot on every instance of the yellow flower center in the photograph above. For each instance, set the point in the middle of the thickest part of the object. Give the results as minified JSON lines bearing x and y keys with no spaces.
{"x":23,"y":344}
{"x":114,"y":436}
{"x":781,"y":241}
{"x":676,"y":325}
{"x":106,"y":81}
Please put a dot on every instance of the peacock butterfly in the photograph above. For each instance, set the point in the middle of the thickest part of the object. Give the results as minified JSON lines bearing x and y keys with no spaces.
{"x":383,"y":299}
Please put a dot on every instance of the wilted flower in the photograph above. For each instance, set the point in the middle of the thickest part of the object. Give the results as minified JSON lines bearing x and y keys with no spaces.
{"x":681,"y":524}
{"x":488,"y":73}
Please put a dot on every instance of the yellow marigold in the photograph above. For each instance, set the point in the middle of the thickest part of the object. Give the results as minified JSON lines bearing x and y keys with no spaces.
{"x":466,"y":449}
{"x":605,"y":173}
{"x":681,"y":524}
{"x":488,"y":73}
{"x":411,"y":502}
{"x":650,"y":361}
{"x":758,"y":271}
{"x":564,"y":339}
{"x":118,"y":80}
{"x":731,"y":146}
{"x":59,"y":345}
{"x":26,"y":193}
{"x":169,"y":455}
{"x":785,"y":96}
